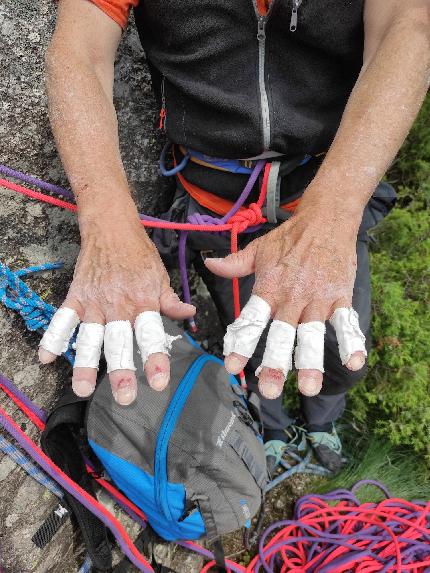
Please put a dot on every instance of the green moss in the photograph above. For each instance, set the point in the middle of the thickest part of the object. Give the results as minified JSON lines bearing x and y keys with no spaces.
{"x":395,"y":397}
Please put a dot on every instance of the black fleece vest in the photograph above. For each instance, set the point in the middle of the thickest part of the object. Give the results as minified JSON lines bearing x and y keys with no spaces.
{"x":236,"y":84}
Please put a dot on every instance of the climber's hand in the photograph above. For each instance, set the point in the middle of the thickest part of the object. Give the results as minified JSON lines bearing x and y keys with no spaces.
{"x":118,"y":278}
{"x":304,"y":275}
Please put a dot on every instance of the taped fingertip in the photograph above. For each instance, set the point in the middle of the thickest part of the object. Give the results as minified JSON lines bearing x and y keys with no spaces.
{"x":46,"y":357}
{"x":82,"y":388}
{"x":159,"y":381}
{"x":356,"y":362}
{"x":234,"y":363}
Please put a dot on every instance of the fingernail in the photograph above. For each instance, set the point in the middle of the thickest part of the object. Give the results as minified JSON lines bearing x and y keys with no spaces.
{"x":126,"y":394}
{"x":82,"y":388}
{"x":233,"y":365}
{"x":45,"y":356}
{"x":159,"y":381}
{"x":356,"y":362}
{"x":214,"y":259}
{"x":269,"y":390}
{"x":309,"y":387}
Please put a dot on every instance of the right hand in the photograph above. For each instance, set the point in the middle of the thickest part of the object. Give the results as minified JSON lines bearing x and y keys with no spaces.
{"x":118,"y":275}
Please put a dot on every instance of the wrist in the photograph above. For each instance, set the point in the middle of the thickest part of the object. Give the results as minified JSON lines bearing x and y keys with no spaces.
{"x":330,"y":201}
{"x":116,"y":221}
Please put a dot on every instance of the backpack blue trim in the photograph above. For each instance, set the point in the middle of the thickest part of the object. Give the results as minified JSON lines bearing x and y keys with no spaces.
{"x":139,"y":487}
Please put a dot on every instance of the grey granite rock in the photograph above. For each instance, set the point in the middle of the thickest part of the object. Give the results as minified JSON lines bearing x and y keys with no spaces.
{"x":32,"y":233}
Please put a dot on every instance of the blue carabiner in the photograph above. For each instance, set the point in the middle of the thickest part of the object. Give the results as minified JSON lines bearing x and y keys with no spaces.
{"x":169,"y":172}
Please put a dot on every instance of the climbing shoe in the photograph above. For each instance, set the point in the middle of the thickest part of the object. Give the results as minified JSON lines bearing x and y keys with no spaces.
{"x":279,"y":442}
{"x":327,"y":448}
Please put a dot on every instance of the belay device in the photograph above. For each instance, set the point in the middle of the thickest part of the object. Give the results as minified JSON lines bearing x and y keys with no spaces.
{"x":191,"y":457}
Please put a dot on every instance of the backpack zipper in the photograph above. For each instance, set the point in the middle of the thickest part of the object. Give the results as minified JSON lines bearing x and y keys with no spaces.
{"x":264,"y":101}
{"x":294,"y":13}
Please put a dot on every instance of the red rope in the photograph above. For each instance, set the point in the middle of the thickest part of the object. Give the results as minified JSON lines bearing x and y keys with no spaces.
{"x":152,"y":224}
{"x":31,"y":415}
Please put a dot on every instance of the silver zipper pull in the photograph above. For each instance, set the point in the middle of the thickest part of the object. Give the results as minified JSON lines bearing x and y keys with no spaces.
{"x":261,"y":34}
{"x":294,"y":11}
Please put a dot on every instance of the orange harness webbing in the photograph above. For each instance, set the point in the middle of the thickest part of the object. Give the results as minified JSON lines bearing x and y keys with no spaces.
{"x":219,"y":205}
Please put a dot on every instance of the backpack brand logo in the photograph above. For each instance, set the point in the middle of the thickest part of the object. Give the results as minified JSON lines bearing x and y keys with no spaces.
{"x":223,"y":435}
{"x":61,"y":511}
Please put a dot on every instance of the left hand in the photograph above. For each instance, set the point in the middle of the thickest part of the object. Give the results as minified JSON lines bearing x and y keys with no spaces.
{"x":304,"y":270}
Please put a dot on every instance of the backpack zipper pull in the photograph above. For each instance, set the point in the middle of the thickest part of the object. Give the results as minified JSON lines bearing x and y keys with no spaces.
{"x":294,"y":12}
{"x":163,"y":112}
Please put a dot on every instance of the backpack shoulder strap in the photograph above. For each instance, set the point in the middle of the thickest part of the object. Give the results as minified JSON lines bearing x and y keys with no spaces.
{"x":60,"y":441}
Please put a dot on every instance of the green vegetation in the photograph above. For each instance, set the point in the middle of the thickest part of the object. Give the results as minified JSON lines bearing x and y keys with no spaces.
{"x":394,"y":400}
{"x":376,"y":459}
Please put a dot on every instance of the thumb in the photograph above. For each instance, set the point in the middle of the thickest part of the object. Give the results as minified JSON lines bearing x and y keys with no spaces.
{"x":172,"y":306}
{"x":238,"y":264}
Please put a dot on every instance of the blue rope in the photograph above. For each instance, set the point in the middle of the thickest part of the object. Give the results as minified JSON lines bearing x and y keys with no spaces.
{"x":86,"y":566}
{"x":40,"y":476}
{"x":36,"y":473}
{"x":17,"y":296}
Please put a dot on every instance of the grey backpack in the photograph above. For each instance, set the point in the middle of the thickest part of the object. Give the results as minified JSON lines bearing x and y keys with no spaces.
{"x":191,"y":457}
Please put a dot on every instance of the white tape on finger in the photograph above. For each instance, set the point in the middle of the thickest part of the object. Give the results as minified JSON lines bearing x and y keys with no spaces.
{"x":278,"y":353}
{"x":89,"y":344}
{"x":118,"y":343}
{"x":350,"y":339}
{"x":309,"y":354}
{"x":243,"y":335}
{"x":59,"y":332}
{"x":150,"y":335}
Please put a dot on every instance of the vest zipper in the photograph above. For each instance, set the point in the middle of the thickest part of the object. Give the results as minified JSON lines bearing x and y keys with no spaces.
{"x":294,"y":12}
{"x":264,"y":101}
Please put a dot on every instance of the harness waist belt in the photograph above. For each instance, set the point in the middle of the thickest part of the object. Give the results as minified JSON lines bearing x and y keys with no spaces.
{"x":217,"y":204}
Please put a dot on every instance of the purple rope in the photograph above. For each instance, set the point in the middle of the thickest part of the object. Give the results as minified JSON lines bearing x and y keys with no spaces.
{"x":42,"y":417}
{"x":35,"y":181}
{"x":199,"y":219}
{"x":31,"y":450}
{"x":194,"y":218}
{"x":323,"y":543}
{"x":23,"y":398}
{"x":207,"y":554}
